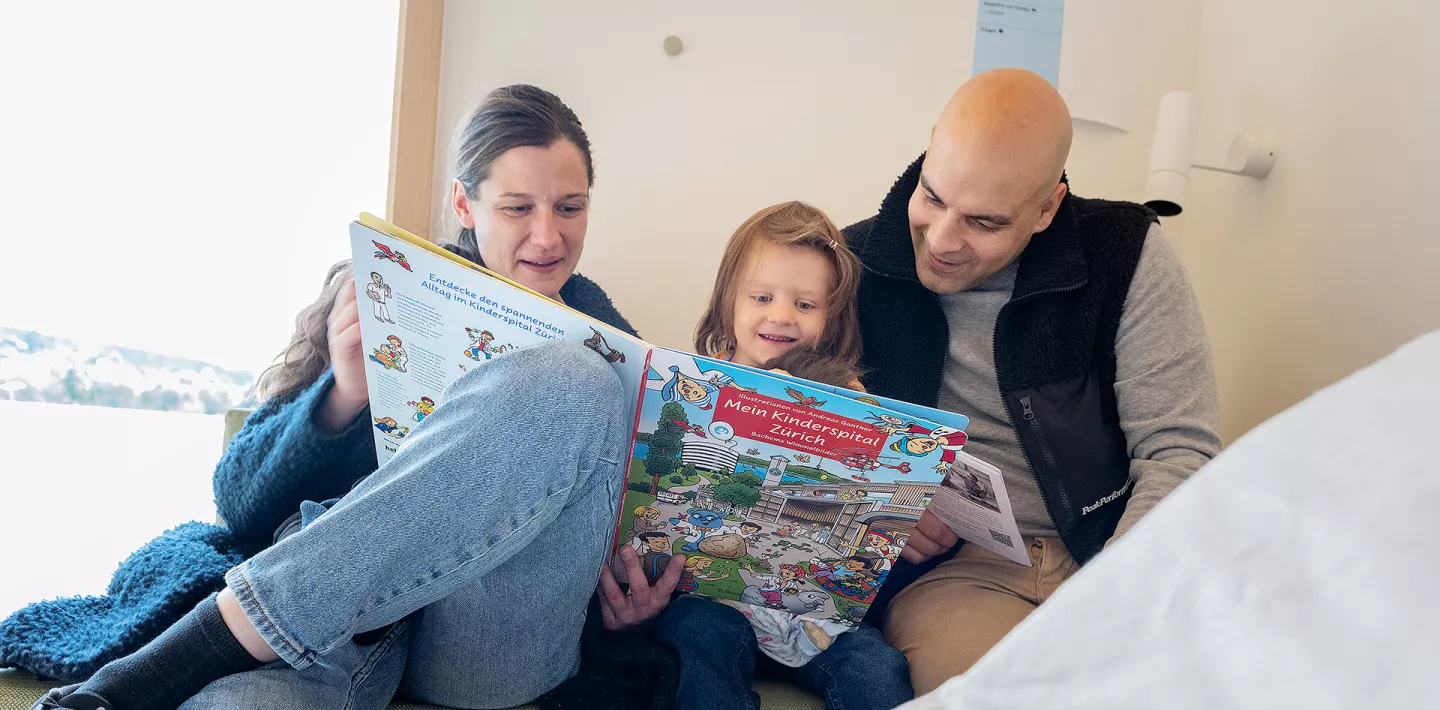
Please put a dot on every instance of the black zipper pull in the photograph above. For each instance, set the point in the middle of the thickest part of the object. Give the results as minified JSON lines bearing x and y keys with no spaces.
{"x":1029,"y":413}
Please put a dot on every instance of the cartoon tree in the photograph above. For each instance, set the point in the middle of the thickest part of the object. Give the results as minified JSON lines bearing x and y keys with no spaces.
{"x":664,"y":454}
{"x":737,"y":494}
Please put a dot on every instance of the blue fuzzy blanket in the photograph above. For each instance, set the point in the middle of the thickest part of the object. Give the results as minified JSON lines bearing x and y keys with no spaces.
{"x":70,"y":639}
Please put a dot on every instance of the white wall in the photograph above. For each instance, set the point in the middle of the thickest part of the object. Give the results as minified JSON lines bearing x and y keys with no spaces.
{"x":820,"y":101}
{"x":1333,"y":260}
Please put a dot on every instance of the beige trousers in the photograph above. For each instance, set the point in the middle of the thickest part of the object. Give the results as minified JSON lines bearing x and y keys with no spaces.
{"x":946,"y":620}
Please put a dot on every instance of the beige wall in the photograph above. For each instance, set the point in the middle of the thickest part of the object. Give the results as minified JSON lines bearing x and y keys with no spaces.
{"x":1332,"y":261}
{"x":820,"y":101}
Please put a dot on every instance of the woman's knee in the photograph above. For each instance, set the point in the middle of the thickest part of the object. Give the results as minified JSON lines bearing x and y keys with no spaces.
{"x":553,"y":376}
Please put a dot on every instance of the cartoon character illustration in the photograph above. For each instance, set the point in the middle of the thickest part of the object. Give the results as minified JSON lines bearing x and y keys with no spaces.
{"x":802,"y":602}
{"x":802,"y":399}
{"x":802,"y":458}
{"x":694,"y":572}
{"x":390,"y":427}
{"x":883,"y":544}
{"x":762,"y":561}
{"x":684,"y":388}
{"x":854,"y":576}
{"x":597,"y":343}
{"x":751,"y":532}
{"x":888,"y":423}
{"x":379,"y":293}
{"x":773,"y":587}
{"x":392,"y":354}
{"x":647,"y":518}
{"x":480,"y":344}
{"x":919,"y":441}
{"x":654,"y":553}
{"x":687,"y":427}
{"x":753,"y":452}
{"x":423,"y":408}
{"x":393,"y":255}
{"x":696,"y":525}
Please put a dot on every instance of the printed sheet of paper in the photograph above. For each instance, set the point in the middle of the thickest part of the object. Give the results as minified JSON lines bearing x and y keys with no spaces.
{"x":973,"y":502}
{"x":1019,"y":34}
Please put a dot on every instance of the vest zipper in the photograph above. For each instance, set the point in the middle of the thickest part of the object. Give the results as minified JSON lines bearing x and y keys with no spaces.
{"x":1034,"y":423}
{"x":1010,"y":412}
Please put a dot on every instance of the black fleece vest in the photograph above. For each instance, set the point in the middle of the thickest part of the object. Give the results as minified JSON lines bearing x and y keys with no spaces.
{"x":1054,"y":347}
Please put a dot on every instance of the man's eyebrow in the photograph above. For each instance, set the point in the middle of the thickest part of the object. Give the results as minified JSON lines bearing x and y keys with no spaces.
{"x":999,"y":220}
{"x":515,"y":195}
{"x":996,"y":219}
{"x":930,"y":190}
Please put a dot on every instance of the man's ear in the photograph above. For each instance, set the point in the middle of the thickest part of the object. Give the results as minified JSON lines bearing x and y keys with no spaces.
{"x":461,"y":204}
{"x":1051,"y":206}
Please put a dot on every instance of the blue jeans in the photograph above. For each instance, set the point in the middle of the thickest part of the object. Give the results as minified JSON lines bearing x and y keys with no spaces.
{"x":718,"y":661}
{"x":485,"y":534}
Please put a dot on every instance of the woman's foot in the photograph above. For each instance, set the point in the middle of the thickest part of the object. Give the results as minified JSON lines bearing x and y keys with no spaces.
{"x":71,"y":698}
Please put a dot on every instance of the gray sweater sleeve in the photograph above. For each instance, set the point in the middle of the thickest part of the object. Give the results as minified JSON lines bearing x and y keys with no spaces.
{"x":1164,"y":380}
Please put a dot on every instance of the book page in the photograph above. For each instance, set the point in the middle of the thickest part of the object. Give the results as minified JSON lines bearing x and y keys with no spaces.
{"x":973,"y":502}
{"x":780,"y":494}
{"x":426,"y":319}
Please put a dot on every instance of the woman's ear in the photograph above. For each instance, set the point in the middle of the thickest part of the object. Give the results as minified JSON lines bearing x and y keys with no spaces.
{"x":461,"y":203}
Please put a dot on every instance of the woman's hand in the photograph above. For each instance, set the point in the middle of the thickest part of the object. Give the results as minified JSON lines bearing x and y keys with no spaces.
{"x":619,"y":610}
{"x":349,"y":396}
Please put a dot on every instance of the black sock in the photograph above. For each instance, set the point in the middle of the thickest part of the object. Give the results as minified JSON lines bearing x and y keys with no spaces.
{"x":196,"y":651}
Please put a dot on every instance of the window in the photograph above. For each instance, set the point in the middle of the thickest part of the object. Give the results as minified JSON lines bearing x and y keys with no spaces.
{"x":177,"y":178}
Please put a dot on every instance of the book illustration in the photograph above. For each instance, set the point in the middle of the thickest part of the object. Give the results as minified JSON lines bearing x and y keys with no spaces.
{"x":918,"y":440}
{"x":864,"y":463}
{"x":391,"y":428}
{"x":423,"y":408}
{"x":802,"y":458}
{"x":597,"y":343}
{"x":379,"y":294}
{"x":391,"y":355}
{"x":482,"y":346}
{"x":392,"y":255}
{"x":803,"y":399}
{"x":752,"y":451}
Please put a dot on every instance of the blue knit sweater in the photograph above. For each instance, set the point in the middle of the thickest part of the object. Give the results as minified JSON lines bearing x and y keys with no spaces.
{"x":275,"y":463}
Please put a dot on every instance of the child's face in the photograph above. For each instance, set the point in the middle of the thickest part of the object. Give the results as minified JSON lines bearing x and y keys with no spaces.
{"x":780,"y":302}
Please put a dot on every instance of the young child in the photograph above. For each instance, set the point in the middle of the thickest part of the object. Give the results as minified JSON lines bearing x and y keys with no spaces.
{"x":784,"y":298}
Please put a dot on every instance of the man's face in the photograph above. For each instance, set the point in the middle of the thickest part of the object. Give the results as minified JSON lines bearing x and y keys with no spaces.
{"x":658,"y":544}
{"x":972,"y":214}
{"x":921,"y":446}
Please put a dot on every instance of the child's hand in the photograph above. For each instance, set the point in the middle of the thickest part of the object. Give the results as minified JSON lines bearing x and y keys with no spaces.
{"x":644,"y":601}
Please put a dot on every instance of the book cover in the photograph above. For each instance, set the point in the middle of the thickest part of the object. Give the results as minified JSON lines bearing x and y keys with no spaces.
{"x":780,"y":493}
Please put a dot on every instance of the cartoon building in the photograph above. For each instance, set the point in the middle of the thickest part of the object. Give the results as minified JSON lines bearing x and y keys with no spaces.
{"x":709,"y":455}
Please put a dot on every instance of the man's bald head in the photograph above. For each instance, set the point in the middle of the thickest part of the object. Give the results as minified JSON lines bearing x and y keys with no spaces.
{"x":991,"y":178}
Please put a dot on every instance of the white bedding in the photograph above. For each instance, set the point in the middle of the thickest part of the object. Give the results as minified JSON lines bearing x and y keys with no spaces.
{"x":1301,"y":568}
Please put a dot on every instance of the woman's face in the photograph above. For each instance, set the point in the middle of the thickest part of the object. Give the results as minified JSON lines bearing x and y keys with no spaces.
{"x":530,"y":215}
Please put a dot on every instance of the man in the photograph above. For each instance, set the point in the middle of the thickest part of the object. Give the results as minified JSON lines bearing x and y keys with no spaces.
{"x":1064,"y":328}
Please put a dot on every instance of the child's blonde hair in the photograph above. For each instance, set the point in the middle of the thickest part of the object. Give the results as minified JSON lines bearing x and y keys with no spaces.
{"x":798,"y":226}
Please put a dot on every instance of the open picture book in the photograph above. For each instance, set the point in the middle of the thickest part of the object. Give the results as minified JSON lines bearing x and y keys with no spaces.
{"x":780,"y":492}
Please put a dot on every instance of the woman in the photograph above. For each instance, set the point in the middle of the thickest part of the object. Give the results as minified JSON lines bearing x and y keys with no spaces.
{"x":460,"y":570}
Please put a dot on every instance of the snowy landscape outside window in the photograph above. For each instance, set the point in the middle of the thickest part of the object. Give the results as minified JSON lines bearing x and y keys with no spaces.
{"x":177,"y":178}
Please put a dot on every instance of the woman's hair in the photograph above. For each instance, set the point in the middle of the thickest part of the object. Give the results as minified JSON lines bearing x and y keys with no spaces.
{"x":798,"y":226}
{"x":517,"y":116}
{"x":509,"y":117}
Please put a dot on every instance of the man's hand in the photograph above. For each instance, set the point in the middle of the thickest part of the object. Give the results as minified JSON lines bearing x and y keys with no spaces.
{"x":619,"y":610}
{"x":931,"y":537}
